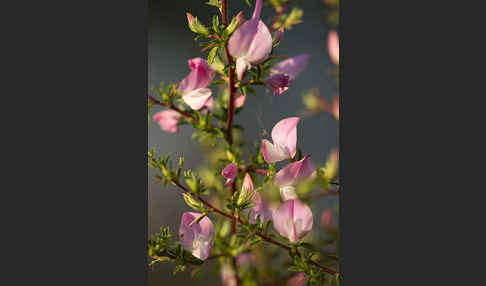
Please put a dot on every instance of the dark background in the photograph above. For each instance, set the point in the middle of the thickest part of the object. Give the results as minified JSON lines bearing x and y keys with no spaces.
{"x":171,"y":44}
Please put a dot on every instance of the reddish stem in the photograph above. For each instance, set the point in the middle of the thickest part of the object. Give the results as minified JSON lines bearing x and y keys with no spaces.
{"x":183,"y":113}
{"x":238,"y":220}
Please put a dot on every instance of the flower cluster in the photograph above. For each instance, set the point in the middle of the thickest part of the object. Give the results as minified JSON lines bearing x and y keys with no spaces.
{"x":240,"y":201}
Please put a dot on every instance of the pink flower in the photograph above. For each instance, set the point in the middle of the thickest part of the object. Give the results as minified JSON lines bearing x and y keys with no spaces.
{"x":327,"y":221}
{"x":284,"y":136}
{"x":228,"y":275}
{"x":229,"y":172}
{"x":291,"y":67}
{"x":293,"y":220}
{"x":295,"y":172}
{"x":194,"y":86}
{"x":279,"y":83}
{"x":196,"y":238}
{"x":298,"y":280}
{"x":167,"y":119}
{"x":251,"y":43}
{"x":333,"y":46}
{"x":284,"y":73}
{"x":259,"y":210}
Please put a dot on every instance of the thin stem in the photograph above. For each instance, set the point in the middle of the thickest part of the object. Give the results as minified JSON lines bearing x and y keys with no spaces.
{"x":238,"y":220}
{"x":251,"y":169}
{"x":232,"y":87}
{"x":183,"y":113}
{"x":233,"y":191}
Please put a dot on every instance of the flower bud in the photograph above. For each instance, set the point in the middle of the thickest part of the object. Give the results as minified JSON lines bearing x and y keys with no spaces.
{"x":195,"y":26}
{"x":192,"y":203}
{"x":229,"y":172}
{"x":246,"y":192}
{"x":235,"y":23}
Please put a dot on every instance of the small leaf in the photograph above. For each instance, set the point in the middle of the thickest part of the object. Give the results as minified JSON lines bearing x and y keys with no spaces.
{"x":211,"y":55}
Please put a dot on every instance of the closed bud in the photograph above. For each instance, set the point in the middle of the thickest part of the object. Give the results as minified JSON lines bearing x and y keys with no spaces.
{"x":246,"y":190}
{"x":195,"y":26}
{"x":235,"y":23}
{"x":192,"y":203}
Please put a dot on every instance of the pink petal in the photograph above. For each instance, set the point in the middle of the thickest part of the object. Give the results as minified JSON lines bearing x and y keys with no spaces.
{"x":295,"y":172}
{"x":333,"y":46}
{"x":261,"y":45}
{"x":273,"y":153}
{"x":210,"y":104}
{"x":240,"y":101}
{"x":257,"y":10}
{"x":303,"y":218}
{"x":168,"y":120}
{"x":283,"y":220}
{"x":197,"y":98}
{"x":200,"y":76}
{"x":229,"y":172}
{"x":240,"y":41}
{"x":247,"y":183}
{"x":279,"y":83}
{"x":291,"y":67}
{"x":228,"y":275}
{"x":284,"y":133}
{"x":292,"y":219}
{"x":241,"y":66}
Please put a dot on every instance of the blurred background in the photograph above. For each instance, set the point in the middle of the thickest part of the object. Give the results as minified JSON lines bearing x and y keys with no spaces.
{"x":171,"y":44}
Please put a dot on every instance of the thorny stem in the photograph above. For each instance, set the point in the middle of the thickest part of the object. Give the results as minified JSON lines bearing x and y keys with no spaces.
{"x":238,"y":220}
{"x":183,"y":113}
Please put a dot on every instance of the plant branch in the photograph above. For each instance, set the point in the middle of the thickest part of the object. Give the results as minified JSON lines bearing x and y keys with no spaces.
{"x":238,"y":220}
{"x":232,"y":87}
{"x":183,"y":113}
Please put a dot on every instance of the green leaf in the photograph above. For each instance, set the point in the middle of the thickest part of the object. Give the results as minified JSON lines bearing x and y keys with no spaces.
{"x":212,"y":54}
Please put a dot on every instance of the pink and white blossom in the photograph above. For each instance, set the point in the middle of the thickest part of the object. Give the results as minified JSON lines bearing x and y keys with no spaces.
{"x":293,"y":219}
{"x":168,"y":120}
{"x":295,"y":172}
{"x":194,"y":86}
{"x":196,"y":238}
{"x":284,"y":73}
{"x":284,"y":136}
{"x":251,"y":43}
{"x":229,"y":172}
